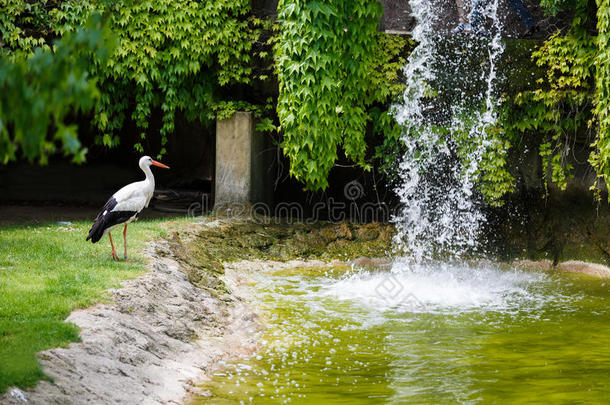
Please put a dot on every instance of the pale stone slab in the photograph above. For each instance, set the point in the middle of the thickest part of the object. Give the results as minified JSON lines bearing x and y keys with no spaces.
{"x":242,"y":163}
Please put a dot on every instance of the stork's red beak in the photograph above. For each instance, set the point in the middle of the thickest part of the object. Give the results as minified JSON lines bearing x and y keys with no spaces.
{"x":155,"y":163}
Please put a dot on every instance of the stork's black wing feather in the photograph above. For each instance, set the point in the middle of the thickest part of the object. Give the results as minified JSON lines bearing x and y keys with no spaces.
{"x":107,"y":218}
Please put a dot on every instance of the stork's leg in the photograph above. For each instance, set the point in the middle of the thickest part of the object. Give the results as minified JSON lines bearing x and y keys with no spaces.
{"x":114,"y":255}
{"x":125,"y":240}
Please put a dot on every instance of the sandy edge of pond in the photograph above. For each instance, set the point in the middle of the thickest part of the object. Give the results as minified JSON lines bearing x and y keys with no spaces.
{"x":570,"y":266}
{"x":157,"y":340}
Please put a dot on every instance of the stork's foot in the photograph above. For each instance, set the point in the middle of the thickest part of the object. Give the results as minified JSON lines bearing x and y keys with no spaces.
{"x":125,"y":257}
{"x":114,"y":256}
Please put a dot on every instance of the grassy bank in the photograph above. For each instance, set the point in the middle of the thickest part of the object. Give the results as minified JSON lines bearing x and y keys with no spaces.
{"x":47,"y":271}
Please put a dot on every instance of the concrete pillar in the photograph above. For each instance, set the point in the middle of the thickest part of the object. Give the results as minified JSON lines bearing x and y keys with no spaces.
{"x":243,"y":163}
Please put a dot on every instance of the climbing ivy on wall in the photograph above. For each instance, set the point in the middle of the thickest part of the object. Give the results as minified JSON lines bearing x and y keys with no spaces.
{"x":25,"y":26}
{"x":387,"y":87}
{"x":573,"y":97}
{"x":600,"y":157}
{"x":560,"y":104}
{"x":325,"y":54}
{"x":173,"y":55}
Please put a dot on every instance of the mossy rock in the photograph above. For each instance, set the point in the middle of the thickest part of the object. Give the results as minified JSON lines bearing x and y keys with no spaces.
{"x":367,"y":233}
{"x":203,"y":253}
{"x":337,"y":231}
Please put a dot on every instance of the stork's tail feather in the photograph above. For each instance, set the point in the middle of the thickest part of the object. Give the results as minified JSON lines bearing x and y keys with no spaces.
{"x":96,"y":232}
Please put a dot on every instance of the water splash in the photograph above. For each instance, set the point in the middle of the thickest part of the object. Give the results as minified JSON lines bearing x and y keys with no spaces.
{"x":448,"y":107}
{"x":440,"y":288}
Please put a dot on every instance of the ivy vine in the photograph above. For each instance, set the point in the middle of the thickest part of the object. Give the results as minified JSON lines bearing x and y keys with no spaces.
{"x":172,"y":56}
{"x":573,"y":97}
{"x":600,"y":157}
{"x":325,"y":54}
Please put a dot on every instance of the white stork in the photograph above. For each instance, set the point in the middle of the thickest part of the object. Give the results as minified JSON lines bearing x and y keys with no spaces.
{"x":125,"y":205}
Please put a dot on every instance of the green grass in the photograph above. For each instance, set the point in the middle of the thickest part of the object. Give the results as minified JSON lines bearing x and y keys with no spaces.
{"x":47,"y":271}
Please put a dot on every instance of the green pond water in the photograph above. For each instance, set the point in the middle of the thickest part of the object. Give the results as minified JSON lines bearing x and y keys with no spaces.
{"x":435,"y":334}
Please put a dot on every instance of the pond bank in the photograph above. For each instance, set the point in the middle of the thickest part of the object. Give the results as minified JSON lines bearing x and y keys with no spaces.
{"x":167,"y":329}
{"x":150,"y":345}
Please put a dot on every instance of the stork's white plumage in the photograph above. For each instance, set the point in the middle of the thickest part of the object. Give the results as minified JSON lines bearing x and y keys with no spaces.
{"x":125,"y":205}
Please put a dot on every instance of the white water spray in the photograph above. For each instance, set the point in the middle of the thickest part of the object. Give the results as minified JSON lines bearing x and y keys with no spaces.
{"x":447,"y":105}
{"x":439,"y":288}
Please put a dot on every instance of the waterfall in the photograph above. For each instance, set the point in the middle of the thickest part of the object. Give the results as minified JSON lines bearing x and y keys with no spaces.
{"x":449,"y":104}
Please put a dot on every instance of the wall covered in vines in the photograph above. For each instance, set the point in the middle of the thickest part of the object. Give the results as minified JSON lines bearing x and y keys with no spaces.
{"x":572,"y":100}
{"x":337,"y":73}
{"x":328,"y":59}
{"x":172,"y":55}
{"x":168,"y":56}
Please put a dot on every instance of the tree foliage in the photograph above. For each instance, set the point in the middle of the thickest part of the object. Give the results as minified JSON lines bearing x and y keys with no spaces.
{"x":39,"y":91}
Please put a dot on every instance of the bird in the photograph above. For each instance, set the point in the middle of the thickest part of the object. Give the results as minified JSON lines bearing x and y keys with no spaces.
{"x":125,"y":205}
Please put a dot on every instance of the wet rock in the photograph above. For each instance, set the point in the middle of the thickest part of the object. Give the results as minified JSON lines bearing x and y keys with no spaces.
{"x":367,"y":232}
{"x":565,"y":226}
{"x":534,"y":264}
{"x":203,"y":252}
{"x":337,"y":231}
{"x":571,"y":266}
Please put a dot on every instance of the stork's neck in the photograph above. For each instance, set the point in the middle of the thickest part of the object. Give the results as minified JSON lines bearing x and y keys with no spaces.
{"x":149,"y":176}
